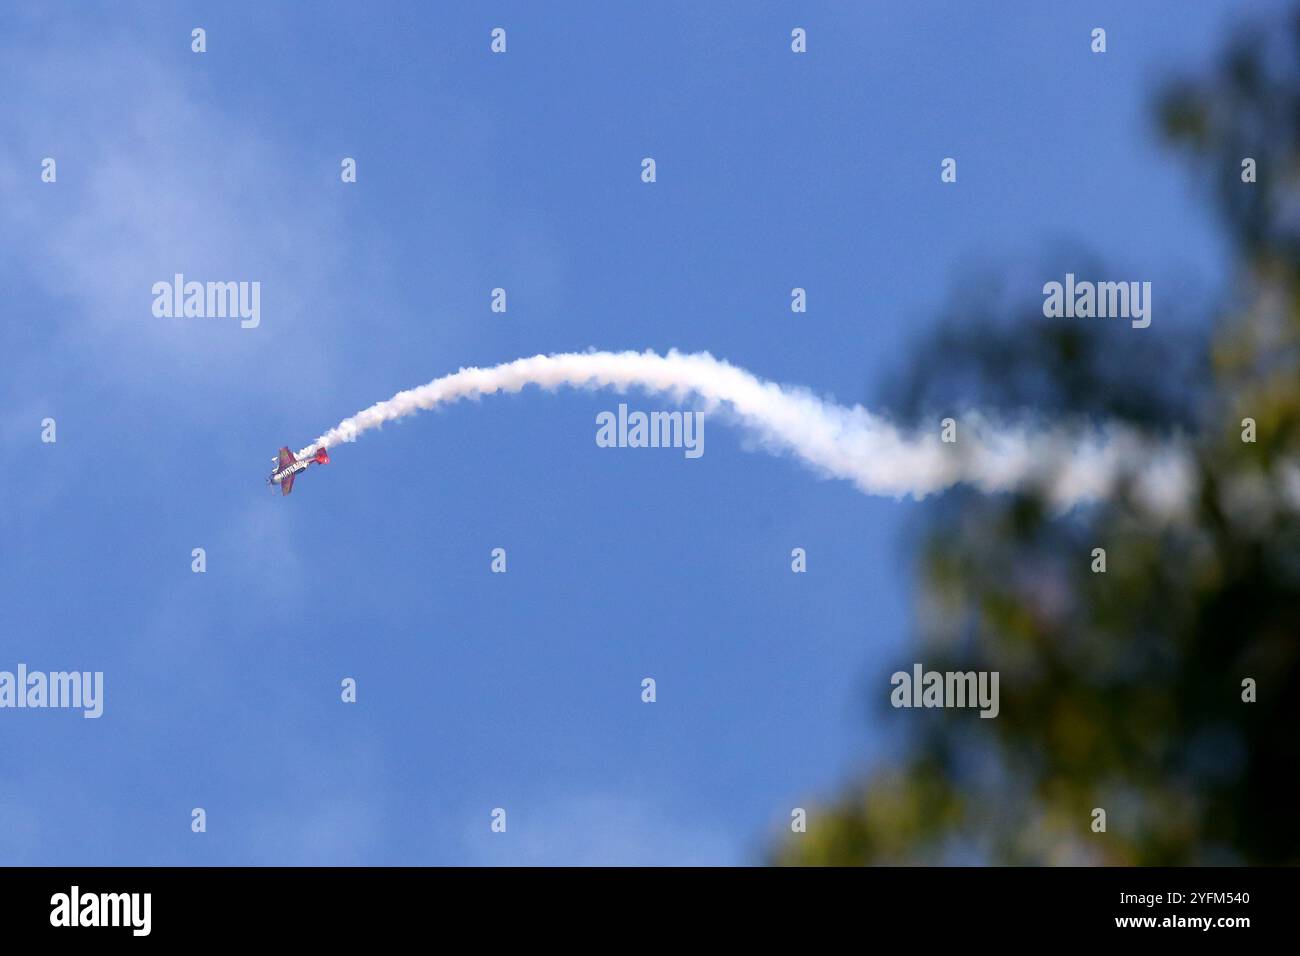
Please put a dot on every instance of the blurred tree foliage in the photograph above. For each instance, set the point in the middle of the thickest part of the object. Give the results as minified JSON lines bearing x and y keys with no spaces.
{"x":1120,"y":690}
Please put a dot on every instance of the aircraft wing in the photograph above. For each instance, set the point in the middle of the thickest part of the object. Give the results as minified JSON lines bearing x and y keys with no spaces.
{"x":286,"y":459}
{"x":286,"y":484}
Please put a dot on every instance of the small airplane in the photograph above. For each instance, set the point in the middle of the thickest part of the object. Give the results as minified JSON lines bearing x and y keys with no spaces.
{"x":287,"y":465}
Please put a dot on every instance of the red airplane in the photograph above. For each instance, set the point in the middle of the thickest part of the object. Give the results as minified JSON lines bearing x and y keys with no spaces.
{"x":288,"y":465}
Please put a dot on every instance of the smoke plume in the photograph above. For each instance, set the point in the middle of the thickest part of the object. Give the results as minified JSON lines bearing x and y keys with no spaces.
{"x":1071,"y":466}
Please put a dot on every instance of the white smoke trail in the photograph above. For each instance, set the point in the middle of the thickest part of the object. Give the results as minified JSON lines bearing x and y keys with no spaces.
{"x":1073,"y":467}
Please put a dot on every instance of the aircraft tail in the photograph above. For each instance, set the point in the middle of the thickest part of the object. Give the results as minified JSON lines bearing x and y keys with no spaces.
{"x":322,"y":456}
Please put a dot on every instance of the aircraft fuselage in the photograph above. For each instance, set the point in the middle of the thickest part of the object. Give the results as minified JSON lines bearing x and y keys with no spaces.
{"x":293,"y":469}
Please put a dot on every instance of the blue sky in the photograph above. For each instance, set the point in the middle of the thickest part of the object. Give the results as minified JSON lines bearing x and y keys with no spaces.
{"x":521,"y":171}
